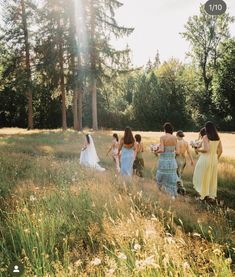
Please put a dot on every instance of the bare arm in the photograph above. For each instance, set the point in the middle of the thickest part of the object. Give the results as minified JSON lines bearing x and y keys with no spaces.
{"x":120,"y":146}
{"x":177,"y":150}
{"x":205,"y":148}
{"x":219,"y":150}
{"x":161,"y":147}
{"x":136,"y":148}
{"x":189,"y":154}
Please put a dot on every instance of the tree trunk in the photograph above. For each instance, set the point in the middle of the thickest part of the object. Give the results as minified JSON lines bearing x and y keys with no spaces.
{"x":75,"y":110}
{"x":94,"y":104}
{"x":28,"y":67}
{"x":62,"y":80}
{"x":75,"y":66}
{"x":93,"y":54}
{"x":80,"y":98}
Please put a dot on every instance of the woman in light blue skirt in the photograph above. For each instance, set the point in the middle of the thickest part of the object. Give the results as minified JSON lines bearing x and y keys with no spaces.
{"x":167,"y":167}
{"x":128,"y":152}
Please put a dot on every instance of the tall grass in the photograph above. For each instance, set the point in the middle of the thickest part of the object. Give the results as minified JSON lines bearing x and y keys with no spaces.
{"x":63,"y":220}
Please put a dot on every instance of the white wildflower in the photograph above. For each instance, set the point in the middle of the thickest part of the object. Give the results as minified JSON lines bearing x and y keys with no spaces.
{"x":186,"y":265}
{"x":217,"y":251}
{"x":122,"y":256}
{"x":96,"y":262}
{"x":110,"y":272}
{"x":148,"y":262}
{"x":228,"y":261}
{"x":32,"y":198}
{"x":137,"y":247}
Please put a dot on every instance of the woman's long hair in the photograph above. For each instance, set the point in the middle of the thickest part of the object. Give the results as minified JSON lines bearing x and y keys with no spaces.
{"x":87,"y":138}
{"x":128,"y":136}
{"x":211,"y":131}
{"x":115,"y":136}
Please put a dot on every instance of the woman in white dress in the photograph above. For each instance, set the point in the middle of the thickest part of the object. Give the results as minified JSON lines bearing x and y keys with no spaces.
{"x":114,"y":148}
{"x":89,"y":156}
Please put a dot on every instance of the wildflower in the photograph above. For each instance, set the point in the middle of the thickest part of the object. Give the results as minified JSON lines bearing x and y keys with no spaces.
{"x":78,"y":263}
{"x":148,"y":262}
{"x":217,"y":251}
{"x":186,"y":265}
{"x":122,"y":256}
{"x":228,"y":261}
{"x":136,"y":247}
{"x":110,"y":272}
{"x":32,"y":198}
{"x":96,"y":262}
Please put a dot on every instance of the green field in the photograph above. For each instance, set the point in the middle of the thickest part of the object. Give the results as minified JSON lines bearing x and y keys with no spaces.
{"x":59,"y":219}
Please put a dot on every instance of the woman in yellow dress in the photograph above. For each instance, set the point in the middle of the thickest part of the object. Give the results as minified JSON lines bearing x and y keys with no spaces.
{"x":205,"y":173}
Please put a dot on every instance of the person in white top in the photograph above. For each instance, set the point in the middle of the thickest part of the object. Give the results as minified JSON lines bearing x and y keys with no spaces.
{"x":114,"y":147}
{"x":89,"y":156}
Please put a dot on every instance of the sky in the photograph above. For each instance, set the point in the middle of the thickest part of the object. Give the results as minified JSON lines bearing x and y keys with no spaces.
{"x":157,"y":26}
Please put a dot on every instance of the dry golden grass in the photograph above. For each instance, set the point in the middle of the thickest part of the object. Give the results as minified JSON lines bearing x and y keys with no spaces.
{"x":94,"y":224}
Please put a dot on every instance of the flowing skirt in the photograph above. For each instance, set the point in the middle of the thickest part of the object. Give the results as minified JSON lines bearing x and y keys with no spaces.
{"x":127,"y":160}
{"x":88,"y":160}
{"x":205,"y":176}
{"x":166,"y":173}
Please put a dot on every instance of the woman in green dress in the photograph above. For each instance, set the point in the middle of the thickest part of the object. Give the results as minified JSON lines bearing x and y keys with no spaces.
{"x":139,"y":161}
{"x":167,"y":168}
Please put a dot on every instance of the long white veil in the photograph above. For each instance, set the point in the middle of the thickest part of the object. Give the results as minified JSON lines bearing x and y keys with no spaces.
{"x":89,"y":156}
{"x":93,"y":158}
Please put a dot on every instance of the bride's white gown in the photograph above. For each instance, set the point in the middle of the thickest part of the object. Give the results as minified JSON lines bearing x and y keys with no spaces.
{"x":89,"y":156}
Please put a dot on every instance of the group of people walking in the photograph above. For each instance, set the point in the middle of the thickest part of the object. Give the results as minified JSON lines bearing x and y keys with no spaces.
{"x":127,"y":154}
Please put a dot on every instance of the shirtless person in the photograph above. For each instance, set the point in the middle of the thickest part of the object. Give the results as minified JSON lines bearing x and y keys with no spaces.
{"x":183,"y":147}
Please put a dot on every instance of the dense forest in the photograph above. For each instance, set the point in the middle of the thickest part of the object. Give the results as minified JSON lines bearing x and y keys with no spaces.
{"x":58,"y":69}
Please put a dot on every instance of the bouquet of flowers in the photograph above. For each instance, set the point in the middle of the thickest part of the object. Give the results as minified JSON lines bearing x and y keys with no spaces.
{"x":154,"y":147}
{"x":195,"y":143}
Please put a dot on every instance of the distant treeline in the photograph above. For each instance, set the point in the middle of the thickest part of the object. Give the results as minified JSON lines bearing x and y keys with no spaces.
{"x":58,"y":69}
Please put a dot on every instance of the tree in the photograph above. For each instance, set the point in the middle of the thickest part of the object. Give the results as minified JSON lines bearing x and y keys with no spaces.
{"x":18,"y":17}
{"x":224,"y":86}
{"x":104,"y":61}
{"x":173,"y":98}
{"x":52,"y":51}
{"x":149,"y":107}
{"x":205,"y":33}
{"x":27,"y":65}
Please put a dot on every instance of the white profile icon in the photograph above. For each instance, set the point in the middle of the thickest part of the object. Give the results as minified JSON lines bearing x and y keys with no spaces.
{"x":16,"y":269}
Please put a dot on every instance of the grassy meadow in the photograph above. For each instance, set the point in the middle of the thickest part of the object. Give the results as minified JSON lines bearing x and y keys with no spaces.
{"x":60,"y":219}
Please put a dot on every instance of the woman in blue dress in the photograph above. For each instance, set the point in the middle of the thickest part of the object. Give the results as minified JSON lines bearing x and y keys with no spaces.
{"x":167,"y":167}
{"x":127,"y":148}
